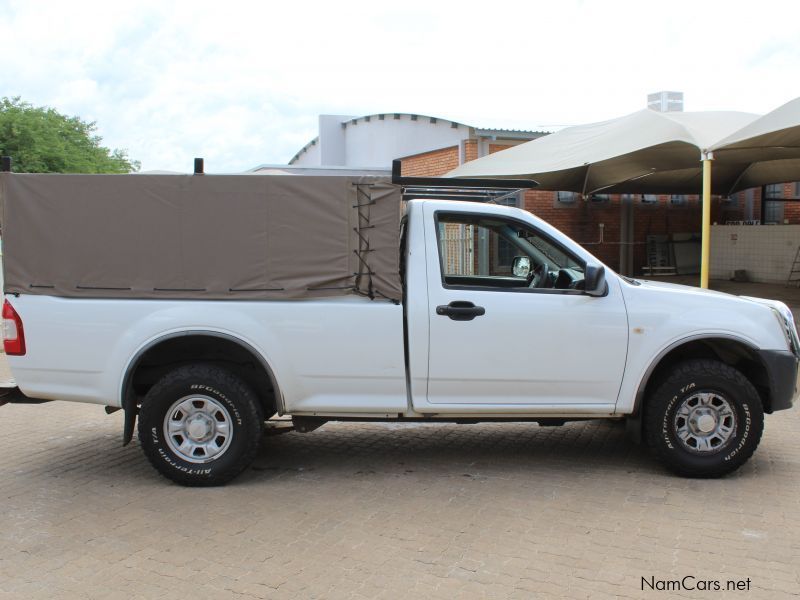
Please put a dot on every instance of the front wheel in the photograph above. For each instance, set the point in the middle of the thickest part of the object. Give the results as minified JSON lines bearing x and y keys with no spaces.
{"x":704,"y":420}
{"x":200,"y":425}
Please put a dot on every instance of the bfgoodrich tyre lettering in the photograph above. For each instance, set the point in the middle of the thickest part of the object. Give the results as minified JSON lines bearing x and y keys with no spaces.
{"x":200,"y":425}
{"x":747,"y":426}
{"x":704,"y":419}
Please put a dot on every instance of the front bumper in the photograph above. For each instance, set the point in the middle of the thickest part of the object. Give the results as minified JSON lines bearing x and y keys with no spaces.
{"x":784,"y":378}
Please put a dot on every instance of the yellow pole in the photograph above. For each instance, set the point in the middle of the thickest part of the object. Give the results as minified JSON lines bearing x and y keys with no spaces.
{"x":706,"y":230}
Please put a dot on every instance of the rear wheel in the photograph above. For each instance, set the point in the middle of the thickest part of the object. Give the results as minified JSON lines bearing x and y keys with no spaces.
{"x":704,"y":420}
{"x":200,"y":425}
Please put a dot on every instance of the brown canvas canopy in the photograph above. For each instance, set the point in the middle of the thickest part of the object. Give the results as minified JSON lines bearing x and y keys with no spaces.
{"x":200,"y":236}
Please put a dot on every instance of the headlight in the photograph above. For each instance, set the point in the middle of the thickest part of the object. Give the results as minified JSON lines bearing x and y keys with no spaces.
{"x":785,"y":318}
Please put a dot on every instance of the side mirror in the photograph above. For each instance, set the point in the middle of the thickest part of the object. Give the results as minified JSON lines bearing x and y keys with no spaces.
{"x":521,"y":266}
{"x":594,"y":278}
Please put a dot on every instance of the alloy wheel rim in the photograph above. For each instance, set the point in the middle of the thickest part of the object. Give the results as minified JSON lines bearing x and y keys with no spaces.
{"x":705,"y":422}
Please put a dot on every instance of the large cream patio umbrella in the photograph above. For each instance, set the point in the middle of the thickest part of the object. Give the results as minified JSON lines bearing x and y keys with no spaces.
{"x":655,"y":152}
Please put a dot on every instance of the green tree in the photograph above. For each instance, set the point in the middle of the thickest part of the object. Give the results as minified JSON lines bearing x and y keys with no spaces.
{"x":42,"y":140}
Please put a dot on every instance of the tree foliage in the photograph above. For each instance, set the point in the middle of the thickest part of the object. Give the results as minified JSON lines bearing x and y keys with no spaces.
{"x":42,"y":140}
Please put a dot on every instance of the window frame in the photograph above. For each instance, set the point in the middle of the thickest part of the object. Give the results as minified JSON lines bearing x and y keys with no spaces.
{"x":679,"y":200}
{"x":571,"y":203}
{"x":480,"y":288}
{"x":773,"y":202}
{"x":643,"y":202}
{"x":518,"y":197}
{"x":774,"y":212}
{"x":599,"y":199}
{"x":773,"y":187}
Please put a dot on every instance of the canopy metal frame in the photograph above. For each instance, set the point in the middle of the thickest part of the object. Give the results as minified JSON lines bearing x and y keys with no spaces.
{"x":458,"y":188}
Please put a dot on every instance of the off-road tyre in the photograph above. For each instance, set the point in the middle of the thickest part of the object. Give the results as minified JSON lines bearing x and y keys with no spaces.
{"x":222,"y":389}
{"x":682,"y":386}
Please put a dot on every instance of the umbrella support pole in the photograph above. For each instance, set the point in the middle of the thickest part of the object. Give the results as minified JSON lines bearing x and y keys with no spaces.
{"x":706,"y":229}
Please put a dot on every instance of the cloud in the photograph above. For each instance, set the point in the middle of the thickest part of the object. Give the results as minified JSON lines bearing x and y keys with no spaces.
{"x":242,"y":83}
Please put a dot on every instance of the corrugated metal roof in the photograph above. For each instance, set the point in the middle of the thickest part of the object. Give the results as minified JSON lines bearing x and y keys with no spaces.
{"x":516,"y":133}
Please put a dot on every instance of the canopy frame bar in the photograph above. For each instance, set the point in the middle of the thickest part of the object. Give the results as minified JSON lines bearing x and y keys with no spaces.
{"x":459,"y":182}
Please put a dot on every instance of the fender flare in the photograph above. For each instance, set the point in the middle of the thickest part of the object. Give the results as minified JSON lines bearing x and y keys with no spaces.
{"x":639,"y":398}
{"x":128,"y":400}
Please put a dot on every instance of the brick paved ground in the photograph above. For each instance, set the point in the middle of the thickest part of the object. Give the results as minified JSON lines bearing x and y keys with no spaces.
{"x":377,"y":511}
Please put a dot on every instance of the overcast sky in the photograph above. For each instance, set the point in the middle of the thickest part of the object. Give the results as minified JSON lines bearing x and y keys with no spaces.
{"x":242,"y":83}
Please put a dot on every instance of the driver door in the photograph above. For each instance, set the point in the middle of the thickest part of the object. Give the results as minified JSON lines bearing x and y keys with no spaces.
{"x":497,"y":345}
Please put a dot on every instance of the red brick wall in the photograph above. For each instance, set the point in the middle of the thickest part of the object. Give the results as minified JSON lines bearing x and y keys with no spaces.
{"x":722,"y":212}
{"x":431,"y":164}
{"x":791,"y":210}
{"x":470,"y":150}
{"x":498,"y":147}
{"x":580,"y":220}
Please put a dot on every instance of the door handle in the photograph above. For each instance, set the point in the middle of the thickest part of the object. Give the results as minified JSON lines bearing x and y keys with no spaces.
{"x":460,"y":310}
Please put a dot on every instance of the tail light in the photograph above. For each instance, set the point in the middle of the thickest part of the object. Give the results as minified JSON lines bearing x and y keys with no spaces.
{"x":13,"y":333}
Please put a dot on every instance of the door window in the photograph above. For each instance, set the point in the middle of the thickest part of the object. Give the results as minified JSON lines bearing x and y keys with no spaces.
{"x":493,"y":252}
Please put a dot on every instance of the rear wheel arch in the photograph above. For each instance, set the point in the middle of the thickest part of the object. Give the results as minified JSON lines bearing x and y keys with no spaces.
{"x":167,"y":352}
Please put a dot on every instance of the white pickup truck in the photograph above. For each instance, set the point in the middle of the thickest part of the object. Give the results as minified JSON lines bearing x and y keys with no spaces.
{"x":502,"y":318}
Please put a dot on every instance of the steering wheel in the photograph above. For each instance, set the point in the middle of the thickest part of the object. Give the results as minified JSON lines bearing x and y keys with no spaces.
{"x":539,"y":276}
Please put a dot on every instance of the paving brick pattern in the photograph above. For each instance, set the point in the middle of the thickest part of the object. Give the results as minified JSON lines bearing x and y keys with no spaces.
{"x":389,"y":511}
{"x":378,"y":511}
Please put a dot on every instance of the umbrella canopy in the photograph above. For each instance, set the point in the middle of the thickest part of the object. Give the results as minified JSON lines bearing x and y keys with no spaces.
{"x":655,"y":152}
{"x":766,"y":150}
{"x":661,"y":153}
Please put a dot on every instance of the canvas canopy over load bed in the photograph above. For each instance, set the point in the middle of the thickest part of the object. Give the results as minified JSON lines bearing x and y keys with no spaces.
{"x":212,"y":237}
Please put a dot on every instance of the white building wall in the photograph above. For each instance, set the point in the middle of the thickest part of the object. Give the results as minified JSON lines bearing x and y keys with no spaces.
{"x":766,"y":252}
{"x":375,"y":143}
{"x":332,"y":140}
{"x":309,"y":157}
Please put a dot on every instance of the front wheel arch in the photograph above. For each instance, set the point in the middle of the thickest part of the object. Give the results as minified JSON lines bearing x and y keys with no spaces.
{"x":730,"y":350}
